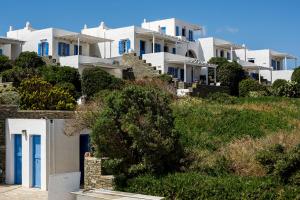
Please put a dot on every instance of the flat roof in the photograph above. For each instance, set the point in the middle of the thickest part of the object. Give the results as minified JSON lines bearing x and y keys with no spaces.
{"x":226,"y":44}
{"x":5,"y":40}
{"x":83,"y":38}
{"x":282,"y":55}
{"x":252,"y":66}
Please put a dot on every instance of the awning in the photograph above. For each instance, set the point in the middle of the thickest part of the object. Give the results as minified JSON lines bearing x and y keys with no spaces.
{"x":159,"y":36}
{"x":83,"y":38}
{"x":251,"y":66}
{"x":5,"y":40}
{"x":189,"y":61}
{"x":282,"y":55}
{"x":226,"y":44}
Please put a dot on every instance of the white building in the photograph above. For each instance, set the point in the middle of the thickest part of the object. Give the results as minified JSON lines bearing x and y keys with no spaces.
{"x":168,"y":45}
{"x":38,"y":148}
{"x":274,"y":64}
{"x":10,"y":47}
{"x":61,"y":46}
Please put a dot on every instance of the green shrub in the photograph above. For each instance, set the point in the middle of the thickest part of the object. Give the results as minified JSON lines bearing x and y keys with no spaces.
{"x":249,"y":85}
{"x":37,"y":94}
{"x":61,"y":75}
{"x":278,"y":83}
{"x":136,"y":126}
{"x":296,"y":75}
{"x":17,"y":74}
{"x":222,"y":98}
{"x":230,"y":74}
{"x":196,"y":186}
{"x":69,"y":87}
{"x":290,"y":89}
{"x":5,"y":63}
{"x":9,"y":98}
{"x":95,"y":79}
{"x":29,"y":60}
{"x":165,"y":78}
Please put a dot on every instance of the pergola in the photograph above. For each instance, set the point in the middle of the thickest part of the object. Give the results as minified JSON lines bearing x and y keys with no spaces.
{"x":284,"y":56}
{"x":78,"y":37}
{"x":249,"y":66}
{"x":4,"y":41}
{"x":227,"y":45}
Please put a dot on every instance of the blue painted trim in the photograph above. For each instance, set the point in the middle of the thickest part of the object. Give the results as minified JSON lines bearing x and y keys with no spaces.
{"x":36,"y":161}
{"x":18,"y":159}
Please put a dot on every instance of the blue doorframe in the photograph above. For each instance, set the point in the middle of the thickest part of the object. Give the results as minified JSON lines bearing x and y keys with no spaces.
{"x":18,"y":159}
{"x":84,"y":147}
{"x":36,"y":161}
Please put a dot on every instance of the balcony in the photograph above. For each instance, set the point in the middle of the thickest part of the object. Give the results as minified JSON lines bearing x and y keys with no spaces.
{"x":77,"y":61}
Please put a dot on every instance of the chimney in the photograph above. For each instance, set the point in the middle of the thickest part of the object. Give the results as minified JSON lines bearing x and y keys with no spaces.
{"x":85,"y":26}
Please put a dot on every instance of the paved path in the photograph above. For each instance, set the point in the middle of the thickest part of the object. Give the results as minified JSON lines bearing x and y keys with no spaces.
{"x":13,"y":192}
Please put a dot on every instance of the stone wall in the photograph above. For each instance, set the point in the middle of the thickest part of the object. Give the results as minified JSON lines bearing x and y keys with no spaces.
{"x":93,"y":178}
{"x":7,"y":111}
{"x":139,"y":68}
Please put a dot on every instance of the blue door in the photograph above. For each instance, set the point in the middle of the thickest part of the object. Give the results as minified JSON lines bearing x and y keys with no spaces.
{"x":84,"y":147}
{"x":18,"y":159}
{"x":36,"y":161}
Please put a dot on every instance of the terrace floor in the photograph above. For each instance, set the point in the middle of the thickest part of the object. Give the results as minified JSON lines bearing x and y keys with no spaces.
{"x":16,"y":192}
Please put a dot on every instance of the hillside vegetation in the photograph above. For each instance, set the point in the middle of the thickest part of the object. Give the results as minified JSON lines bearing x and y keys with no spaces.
{"x":229,"y":147}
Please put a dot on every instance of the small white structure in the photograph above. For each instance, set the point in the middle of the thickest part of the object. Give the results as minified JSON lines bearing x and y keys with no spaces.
{"x":38,"y":148}
{"x":64,"y":47}
{"x":10,"y":47}
{"x":274,"y":64}
{"x":169,"y":45}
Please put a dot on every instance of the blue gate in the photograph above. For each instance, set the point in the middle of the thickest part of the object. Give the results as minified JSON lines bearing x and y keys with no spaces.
{"x":18,"y":159}
{"x":36,"y":161}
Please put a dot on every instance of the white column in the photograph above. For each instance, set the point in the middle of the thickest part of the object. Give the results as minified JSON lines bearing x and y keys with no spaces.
{"x":185,"y":75}
{"x":78,"y":51}
{"x":207,"y":75}
{"x":104,"y":46}
{"x":259,"y":78}
{"x":110,"y":49}
{"x":153,"y":40}
{"x":271,"y":71}
{"x":215,"y":73}
{"x":231,"y":53}
{"x":285,"y":63}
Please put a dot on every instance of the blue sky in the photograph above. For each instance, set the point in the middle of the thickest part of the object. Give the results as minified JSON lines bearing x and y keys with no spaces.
{"x":256,"y":23}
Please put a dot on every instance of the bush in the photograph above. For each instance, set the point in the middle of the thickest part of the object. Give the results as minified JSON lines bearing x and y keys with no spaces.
{"x":37,"y":94}
{"x":278,"y":83}
{"x":61,"y":75}
{"x":5,"y":63}
{"x":9,"y":98}
{"x":196,"y":186}
{"x":17,"y":74}
{"x":95,"y":79}
{"x":221,"y":98}
{"x":165,"y":78}
{"x":290,"y":89}
{"x":249,"y":85}
{"x":296,"y":75}
{"x":69,"y":87}
{"x":230,"y":74}
{"x":29,"y":60}
{"x":136,"y":127}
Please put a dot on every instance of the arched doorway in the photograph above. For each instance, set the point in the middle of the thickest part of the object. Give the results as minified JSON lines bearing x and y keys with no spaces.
{"x":190,"y":54}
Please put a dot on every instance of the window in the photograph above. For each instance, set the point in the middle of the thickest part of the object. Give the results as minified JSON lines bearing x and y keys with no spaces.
{"x":177,"y":31}
{"x":278,"y":65}
{"x":124,"y":46}
{"x":157,"y":48}
{"x":166,"y":49}
{"x":191,"y":35}
{"x":183,"y":32}
{"x":222,"y":54}
{"x":274,"y":64}
{"x":142,"y":47}
{"x":173,"y":71}
{"x":163,"y":30}
{"x":1,"y":52}
{"x":76,"y":50}
{"x":252,"y":60}
{"x":228,"y":56}
{"x":63,"y":49}
{"x":174,"y":50}
{"x":43,"y":49}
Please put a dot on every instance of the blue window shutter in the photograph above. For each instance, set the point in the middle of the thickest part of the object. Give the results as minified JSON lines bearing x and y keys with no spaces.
{"x":121,"y":47}
{"x":46,"y":49}
{"x":40,"y":49}
{"x":67,"y":50}
{"x":59,"y":49}
{"x":127,"y":45}
{"x":177,"y":31}
{"x":1,"y":52}
{"x":75,"y":49}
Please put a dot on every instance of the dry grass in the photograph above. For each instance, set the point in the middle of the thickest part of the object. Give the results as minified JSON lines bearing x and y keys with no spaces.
{"x":242,"y":152}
